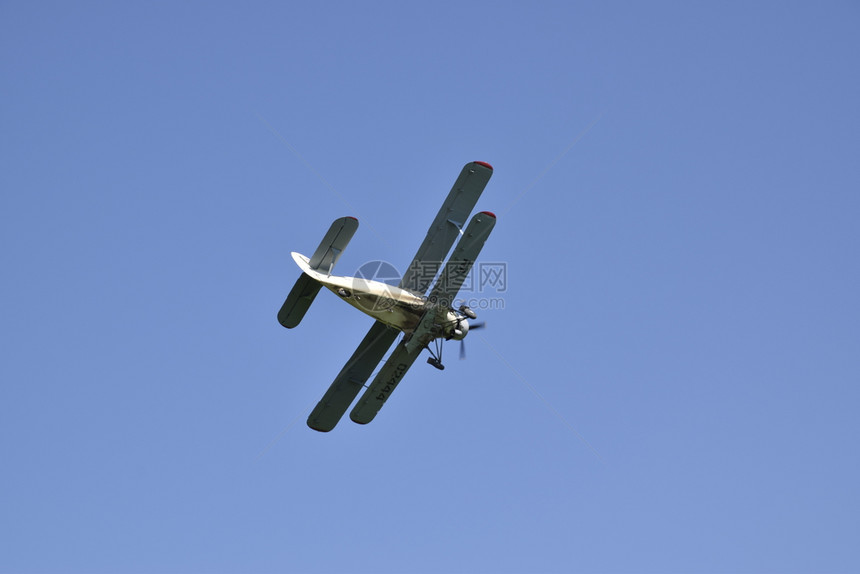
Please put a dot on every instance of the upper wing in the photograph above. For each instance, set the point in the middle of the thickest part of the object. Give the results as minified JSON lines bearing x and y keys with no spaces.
{"x":352,"y":377}
{"x":447,"y":226}
{"x":384,"y":383}
{"x":461,"y":261}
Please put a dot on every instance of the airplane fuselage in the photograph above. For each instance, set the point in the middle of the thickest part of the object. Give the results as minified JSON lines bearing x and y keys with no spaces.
{"x":397,"y":307}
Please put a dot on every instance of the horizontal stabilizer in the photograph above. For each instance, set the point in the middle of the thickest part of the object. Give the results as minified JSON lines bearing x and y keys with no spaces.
{"x":298,"y":301}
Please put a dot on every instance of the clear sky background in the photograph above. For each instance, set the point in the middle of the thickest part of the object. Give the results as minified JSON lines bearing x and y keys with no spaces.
{"x":672,"y":385}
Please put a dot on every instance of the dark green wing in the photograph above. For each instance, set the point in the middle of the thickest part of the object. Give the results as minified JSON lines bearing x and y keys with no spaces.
{"x":446,"y":227}
{"x":352,"y":377}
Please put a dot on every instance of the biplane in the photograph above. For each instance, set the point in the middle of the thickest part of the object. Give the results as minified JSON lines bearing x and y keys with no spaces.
{"x":424,"y":315}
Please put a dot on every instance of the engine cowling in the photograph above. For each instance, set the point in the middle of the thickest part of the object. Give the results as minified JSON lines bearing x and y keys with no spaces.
{"x":459,"y":329}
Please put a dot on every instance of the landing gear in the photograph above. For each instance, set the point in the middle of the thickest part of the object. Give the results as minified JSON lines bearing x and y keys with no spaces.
{"x":454,"y":328}
{"x":435,"y":359}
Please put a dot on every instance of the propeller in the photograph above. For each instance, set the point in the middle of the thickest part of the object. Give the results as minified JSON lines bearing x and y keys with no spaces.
{"x":472,"y":326}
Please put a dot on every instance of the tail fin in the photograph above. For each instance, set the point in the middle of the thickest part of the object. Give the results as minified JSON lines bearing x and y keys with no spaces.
{"x":305,"y":290}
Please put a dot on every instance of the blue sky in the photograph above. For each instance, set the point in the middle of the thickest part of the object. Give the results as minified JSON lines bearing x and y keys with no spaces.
{"x":676,"y":187}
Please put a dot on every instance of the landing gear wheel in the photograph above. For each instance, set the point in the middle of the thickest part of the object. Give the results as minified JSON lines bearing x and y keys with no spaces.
{"x":468,"y":312}
{"x":436,"y":363}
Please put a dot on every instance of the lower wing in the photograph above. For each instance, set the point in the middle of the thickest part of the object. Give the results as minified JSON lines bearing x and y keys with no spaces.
{"x":352,"y":377}
{"x":384,"y":384}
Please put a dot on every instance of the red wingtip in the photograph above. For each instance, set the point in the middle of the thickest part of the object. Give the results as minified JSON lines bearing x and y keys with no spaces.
{"x":490,"y":213}
{"x":485,"y":164}
{"x":351,"y":217}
